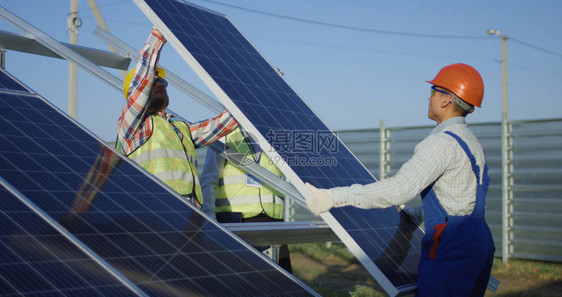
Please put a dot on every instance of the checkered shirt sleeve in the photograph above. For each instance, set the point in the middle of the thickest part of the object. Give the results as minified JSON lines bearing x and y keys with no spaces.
{"x":438,"y":158}
{"x":208,"y":131}
{"x":134,"y":125}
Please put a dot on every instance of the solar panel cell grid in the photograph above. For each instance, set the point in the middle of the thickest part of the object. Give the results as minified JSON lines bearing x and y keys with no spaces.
{"x":35,"y":259}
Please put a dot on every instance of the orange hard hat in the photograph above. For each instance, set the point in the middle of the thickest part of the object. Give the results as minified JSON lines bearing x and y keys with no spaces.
{"x":160,"y":72}
{"x":463,"y":80}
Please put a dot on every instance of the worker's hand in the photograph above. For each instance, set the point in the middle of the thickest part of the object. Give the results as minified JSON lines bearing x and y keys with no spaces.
{"x":157,"y":32}
{"x":415,"y":213}
{"x":319,"y":200}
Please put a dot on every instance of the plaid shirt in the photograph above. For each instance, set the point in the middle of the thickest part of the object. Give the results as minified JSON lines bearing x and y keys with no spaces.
{"x":135,"y":125}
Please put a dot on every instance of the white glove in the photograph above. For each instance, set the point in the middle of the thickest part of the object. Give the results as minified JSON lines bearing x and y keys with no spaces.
{"x":415,"y":213}
{"x":319,"y":200}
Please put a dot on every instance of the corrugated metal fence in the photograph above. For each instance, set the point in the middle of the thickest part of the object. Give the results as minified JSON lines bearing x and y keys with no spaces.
{"x":534,"y":213}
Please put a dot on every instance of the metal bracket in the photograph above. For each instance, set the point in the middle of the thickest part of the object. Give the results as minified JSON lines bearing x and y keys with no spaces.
{"x":26,"y":44}
{"x":493,"y":284}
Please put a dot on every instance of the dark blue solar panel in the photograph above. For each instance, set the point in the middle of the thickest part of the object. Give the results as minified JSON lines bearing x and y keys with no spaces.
{"x":256,"y":92}
{"x":138,"y":226}
{"x":6,"y":82}
{"x":36,"y":259}
{"x":264,"y":97}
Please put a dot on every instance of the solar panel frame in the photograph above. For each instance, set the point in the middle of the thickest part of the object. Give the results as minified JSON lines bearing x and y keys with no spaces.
{"x":204,"y":59}
{"x":145,"y":247}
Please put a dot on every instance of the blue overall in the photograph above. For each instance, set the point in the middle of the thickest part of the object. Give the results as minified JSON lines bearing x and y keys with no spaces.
{"x":457,"y":251}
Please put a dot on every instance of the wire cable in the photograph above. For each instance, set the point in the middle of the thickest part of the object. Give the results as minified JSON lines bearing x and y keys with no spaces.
{"x":536,"y":47}
{"x":365,"y":64}
{"x":340,"y":26}
{"x":372,"y":30}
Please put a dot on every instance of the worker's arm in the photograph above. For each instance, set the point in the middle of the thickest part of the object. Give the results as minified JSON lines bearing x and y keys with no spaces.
{"x":210,"y":181}
{"x":208,"y":131}
{"x":430,"y":160}
{"x":135,"y":117}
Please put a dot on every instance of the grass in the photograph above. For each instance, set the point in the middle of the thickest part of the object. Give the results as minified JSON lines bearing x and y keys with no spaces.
{"x":334,"y":271}
{"x":527,"y":278}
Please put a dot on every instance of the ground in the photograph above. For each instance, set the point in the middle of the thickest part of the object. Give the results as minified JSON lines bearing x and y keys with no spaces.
{"x":334,"y":271}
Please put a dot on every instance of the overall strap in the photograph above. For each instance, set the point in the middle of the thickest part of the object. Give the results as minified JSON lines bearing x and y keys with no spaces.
{"x":481,"y":187}
{"x":475,"y":167}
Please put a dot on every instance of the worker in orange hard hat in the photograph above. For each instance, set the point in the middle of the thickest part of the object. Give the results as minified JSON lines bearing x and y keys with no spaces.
{"x":160,"y":143}
{"x":463,"y":83}
{"x":449,"y":170}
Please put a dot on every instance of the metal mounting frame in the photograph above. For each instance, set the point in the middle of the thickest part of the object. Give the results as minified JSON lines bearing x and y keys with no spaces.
{"x":26,"y":44}
{"x":61,"y":49}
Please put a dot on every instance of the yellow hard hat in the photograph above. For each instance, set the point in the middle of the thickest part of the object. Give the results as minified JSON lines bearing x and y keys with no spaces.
{"x":160,"y":72}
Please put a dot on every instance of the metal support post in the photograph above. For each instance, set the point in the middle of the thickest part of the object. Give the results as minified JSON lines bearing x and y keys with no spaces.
{"x":289,"y":210}
{"x":73,"y":23}
{"x":101,"y":23}
{"x":507,"y":157}
{"x":507,"y":206}
{"x":384,"y":156}
{"x":3,"y":58}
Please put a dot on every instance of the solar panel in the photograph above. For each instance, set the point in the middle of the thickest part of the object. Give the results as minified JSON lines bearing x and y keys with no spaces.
{"x":36,"y":259}
{"x":7,"y":83}
{"x":385,"y":241}
{"x":127,"y":218}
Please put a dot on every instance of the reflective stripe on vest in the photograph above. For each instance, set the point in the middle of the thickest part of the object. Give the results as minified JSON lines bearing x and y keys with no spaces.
{"x":170,"y":159}
{"x":233,"y":195}
{"x":165,"y":153}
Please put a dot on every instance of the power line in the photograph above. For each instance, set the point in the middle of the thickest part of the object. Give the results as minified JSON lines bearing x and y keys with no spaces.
{"x":110,"y":20}
{"x":104,"y":5}
{"x":371,"y":30}
{"x":340,"y":26}
{"x":536,"y":47}
{"x":364,"y":64}
{"x":347,"y":27}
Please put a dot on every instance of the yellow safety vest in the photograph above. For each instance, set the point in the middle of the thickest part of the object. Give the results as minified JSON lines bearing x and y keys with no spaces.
{"x":241,"y":192}
{"x":170,"y":159}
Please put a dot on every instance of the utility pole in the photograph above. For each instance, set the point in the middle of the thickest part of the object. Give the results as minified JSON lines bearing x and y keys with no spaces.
{"x":73,"y":23}
{"x":507,"y":181}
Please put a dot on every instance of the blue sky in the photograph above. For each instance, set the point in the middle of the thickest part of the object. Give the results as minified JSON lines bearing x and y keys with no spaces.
{"x":339,"y":56}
